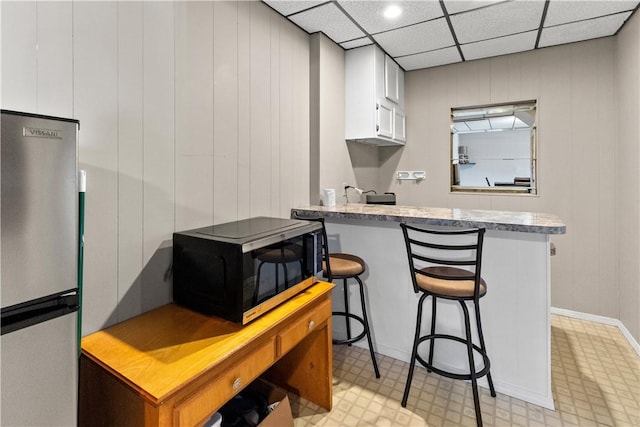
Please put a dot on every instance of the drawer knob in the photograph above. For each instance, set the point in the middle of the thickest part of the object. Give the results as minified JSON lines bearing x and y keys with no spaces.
{"x":237,"y":383}
{"x":312,"y":324}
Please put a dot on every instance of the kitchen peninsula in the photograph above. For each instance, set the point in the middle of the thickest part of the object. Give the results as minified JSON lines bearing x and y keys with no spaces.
{"x":516,"y":266}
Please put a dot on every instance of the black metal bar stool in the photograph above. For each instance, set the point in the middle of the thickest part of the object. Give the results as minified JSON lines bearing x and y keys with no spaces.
{"x":434,"y":260}
{"x":346,"y":266}
{"x":281,"y":255}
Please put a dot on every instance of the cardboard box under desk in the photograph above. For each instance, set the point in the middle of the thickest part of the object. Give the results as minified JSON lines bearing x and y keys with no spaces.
{"x":281,"y":415}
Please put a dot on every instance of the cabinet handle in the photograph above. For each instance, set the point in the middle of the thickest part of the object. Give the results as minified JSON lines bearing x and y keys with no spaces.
{"x":236,"y":384}
{"x":312,"y":324}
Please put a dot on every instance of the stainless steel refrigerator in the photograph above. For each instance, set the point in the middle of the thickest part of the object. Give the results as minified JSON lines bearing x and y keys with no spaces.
{"x":39,"y":270}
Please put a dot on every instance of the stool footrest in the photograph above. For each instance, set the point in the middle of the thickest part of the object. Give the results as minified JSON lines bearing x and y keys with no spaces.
{"x":454,"y":375}
{"x":356,"y":318}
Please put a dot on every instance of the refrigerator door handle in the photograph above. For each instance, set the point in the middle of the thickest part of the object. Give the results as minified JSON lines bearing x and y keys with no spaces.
{"x":40,"y":310}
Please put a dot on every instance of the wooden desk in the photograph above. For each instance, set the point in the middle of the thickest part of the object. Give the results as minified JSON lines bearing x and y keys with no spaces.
{"x":172,"y":366}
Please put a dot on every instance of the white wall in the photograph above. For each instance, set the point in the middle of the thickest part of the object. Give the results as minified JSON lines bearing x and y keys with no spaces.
{"x":489,"y":151}
{"x":627,"y":172}
{"x":191,"y":113}
{"x":577,"y":175}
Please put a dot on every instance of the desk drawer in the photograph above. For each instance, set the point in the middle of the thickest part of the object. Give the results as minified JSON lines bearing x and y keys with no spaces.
{"x":244,"y":369}
{"x":295,"y":333}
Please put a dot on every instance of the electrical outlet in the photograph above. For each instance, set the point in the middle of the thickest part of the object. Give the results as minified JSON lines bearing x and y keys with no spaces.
{"x":411,"y":175}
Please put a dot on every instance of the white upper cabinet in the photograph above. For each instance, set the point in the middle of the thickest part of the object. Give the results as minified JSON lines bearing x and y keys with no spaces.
{"x":374,"y":97}
{"x":391,"y":80}
{"x":399,"y":121}
{"x":384,"y":120}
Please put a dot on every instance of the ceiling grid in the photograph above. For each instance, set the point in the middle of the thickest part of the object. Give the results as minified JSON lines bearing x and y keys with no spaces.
{"x":437,"y":32}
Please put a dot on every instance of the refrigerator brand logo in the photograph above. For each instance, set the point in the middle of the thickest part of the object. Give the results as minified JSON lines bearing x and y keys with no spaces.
{"x":42,"y":133}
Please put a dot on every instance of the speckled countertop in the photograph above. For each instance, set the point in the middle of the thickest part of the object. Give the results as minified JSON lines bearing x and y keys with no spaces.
{"x":525,"y":222}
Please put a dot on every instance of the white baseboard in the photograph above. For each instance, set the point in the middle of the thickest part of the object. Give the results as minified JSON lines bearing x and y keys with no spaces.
{"x":599,"y":319}
{"x":546,"y":401}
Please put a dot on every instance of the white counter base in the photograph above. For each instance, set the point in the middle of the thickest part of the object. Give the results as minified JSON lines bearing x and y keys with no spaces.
{"x":515,"y":312}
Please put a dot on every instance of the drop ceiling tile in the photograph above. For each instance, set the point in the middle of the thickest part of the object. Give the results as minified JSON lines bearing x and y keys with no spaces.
{"x":457,"y":6}
{"x":478,"y":124}
{"x":461,"y":127}
{"x":500,"y":46}
{"x":564,"y":11}
{"x":519,"y":124}
{"x":288,"y":7}
{"x":356,"y":43}
{"x":369,"y":13}
{"x":330,"y":20}
{"x":583,"y":30}
{"x":501,"y":122}
{"x":498,"y":20}
{"x":434,"y":58}
{"x":417,"y":38}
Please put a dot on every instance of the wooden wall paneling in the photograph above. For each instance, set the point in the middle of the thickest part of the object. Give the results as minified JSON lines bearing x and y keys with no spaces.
{"x":337,"y":165}
{"x":96,"y":78}
{"x":469,"y":91}
{"x":585,"y":177}
{"x":225,"y":112}
{"x":286,"y":111}
{"x":607,"y":183}
{"x":433,"y":142}
{"x":531,"y":90}
{"x":556,"y":167}
{"x":301,"y":121}
{"x":130,"y":159}
{"x":55,"y":59}
{"x":482,"y":77}
{"x":627,"y":172}
{"x":244,"y":110}
{"x":158,"y":151}
{"x":500,"y":76}
{"x":274,"y":116}
{"x":19,"y":56}
{"x":260,"y":107}
{"x":194,"y":114}
{"x":514,"y":87}
{"x":314,"y":119}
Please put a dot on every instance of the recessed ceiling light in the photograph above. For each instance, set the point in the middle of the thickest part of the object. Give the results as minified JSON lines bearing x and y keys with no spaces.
{"x":392,"y":11}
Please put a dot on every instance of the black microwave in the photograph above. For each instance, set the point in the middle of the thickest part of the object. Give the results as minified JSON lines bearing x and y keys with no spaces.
{"x":242,"y":269}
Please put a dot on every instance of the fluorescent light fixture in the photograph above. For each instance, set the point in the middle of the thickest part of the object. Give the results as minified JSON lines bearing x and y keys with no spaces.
{"x":392,"y":11}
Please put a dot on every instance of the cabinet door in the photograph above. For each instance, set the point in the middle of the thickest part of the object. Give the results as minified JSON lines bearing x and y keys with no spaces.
{"x":399,"y":125}
{"x":391,"y":74}
{"x":384,"y":120}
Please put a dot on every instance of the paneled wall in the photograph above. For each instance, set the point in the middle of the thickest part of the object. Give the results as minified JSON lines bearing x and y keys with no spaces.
{"x":628,"y":172}
{"x":337,"y":162}
{"x":578,"y":170}
{"x":191,"y":113}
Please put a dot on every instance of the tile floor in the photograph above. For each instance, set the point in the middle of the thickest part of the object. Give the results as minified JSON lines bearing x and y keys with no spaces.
{"x":595,"y":381}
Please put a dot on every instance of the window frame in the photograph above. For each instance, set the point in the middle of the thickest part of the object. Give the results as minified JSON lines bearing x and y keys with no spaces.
{"x":489,"y":110}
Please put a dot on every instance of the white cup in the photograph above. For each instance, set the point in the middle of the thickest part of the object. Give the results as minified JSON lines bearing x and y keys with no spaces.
{"x":329,"y":197}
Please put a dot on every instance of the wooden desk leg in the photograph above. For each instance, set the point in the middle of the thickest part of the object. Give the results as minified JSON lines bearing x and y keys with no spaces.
{"x":307,"y":369}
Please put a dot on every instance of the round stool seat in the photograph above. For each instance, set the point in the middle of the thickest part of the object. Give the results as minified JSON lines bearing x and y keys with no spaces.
{"x":344,"y":265}
{"x":288,"y":253}
{"x":280,"y":255}
{"x":448,"y":287}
